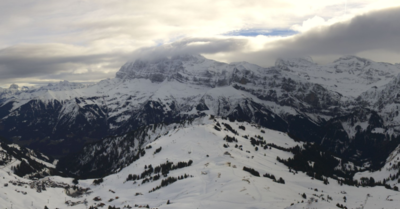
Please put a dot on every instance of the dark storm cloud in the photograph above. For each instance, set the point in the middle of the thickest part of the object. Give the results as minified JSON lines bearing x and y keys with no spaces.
{"x":377,"y":30}
{"x":54,"y":61}
{"x":371,"y":32}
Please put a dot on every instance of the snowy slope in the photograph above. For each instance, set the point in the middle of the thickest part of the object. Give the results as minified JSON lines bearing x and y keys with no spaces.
{"x":388,"y":173}
{"x":19,"y":197}
{"x":25,"y":162}
{"x":216,"y":176}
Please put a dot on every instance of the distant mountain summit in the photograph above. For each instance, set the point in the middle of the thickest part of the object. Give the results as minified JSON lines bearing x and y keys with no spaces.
{"x":160,"y":69}
{"x":14,"y":86}
{"x":286,"y":64}
{"x":63,"y":86}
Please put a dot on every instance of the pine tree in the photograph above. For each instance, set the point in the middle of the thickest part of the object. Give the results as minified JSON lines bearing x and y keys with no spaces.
{"x":75,"y":181}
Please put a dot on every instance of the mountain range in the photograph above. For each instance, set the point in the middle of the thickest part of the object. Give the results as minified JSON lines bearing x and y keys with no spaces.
{"x":339,"y":122}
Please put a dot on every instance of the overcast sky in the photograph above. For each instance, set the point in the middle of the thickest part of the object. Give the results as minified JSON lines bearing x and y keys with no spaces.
{"x":86,"y":41}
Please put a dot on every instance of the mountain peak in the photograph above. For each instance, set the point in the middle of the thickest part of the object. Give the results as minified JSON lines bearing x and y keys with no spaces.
{"x":294,"y":62}
{"x":62,"y":86}
{"x":160,"y":68}
{"x":352,"y":59}
{"x":14,"y":86}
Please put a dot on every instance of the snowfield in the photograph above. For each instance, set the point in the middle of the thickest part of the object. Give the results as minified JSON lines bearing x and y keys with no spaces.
{"x":215,"y":179}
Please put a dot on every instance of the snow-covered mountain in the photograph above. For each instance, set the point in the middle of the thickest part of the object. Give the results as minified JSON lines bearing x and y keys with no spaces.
{"x":338,"y":105}
{"x":12,"y":90}
{"x":166,"y":90}
{"x":349,"y":75}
